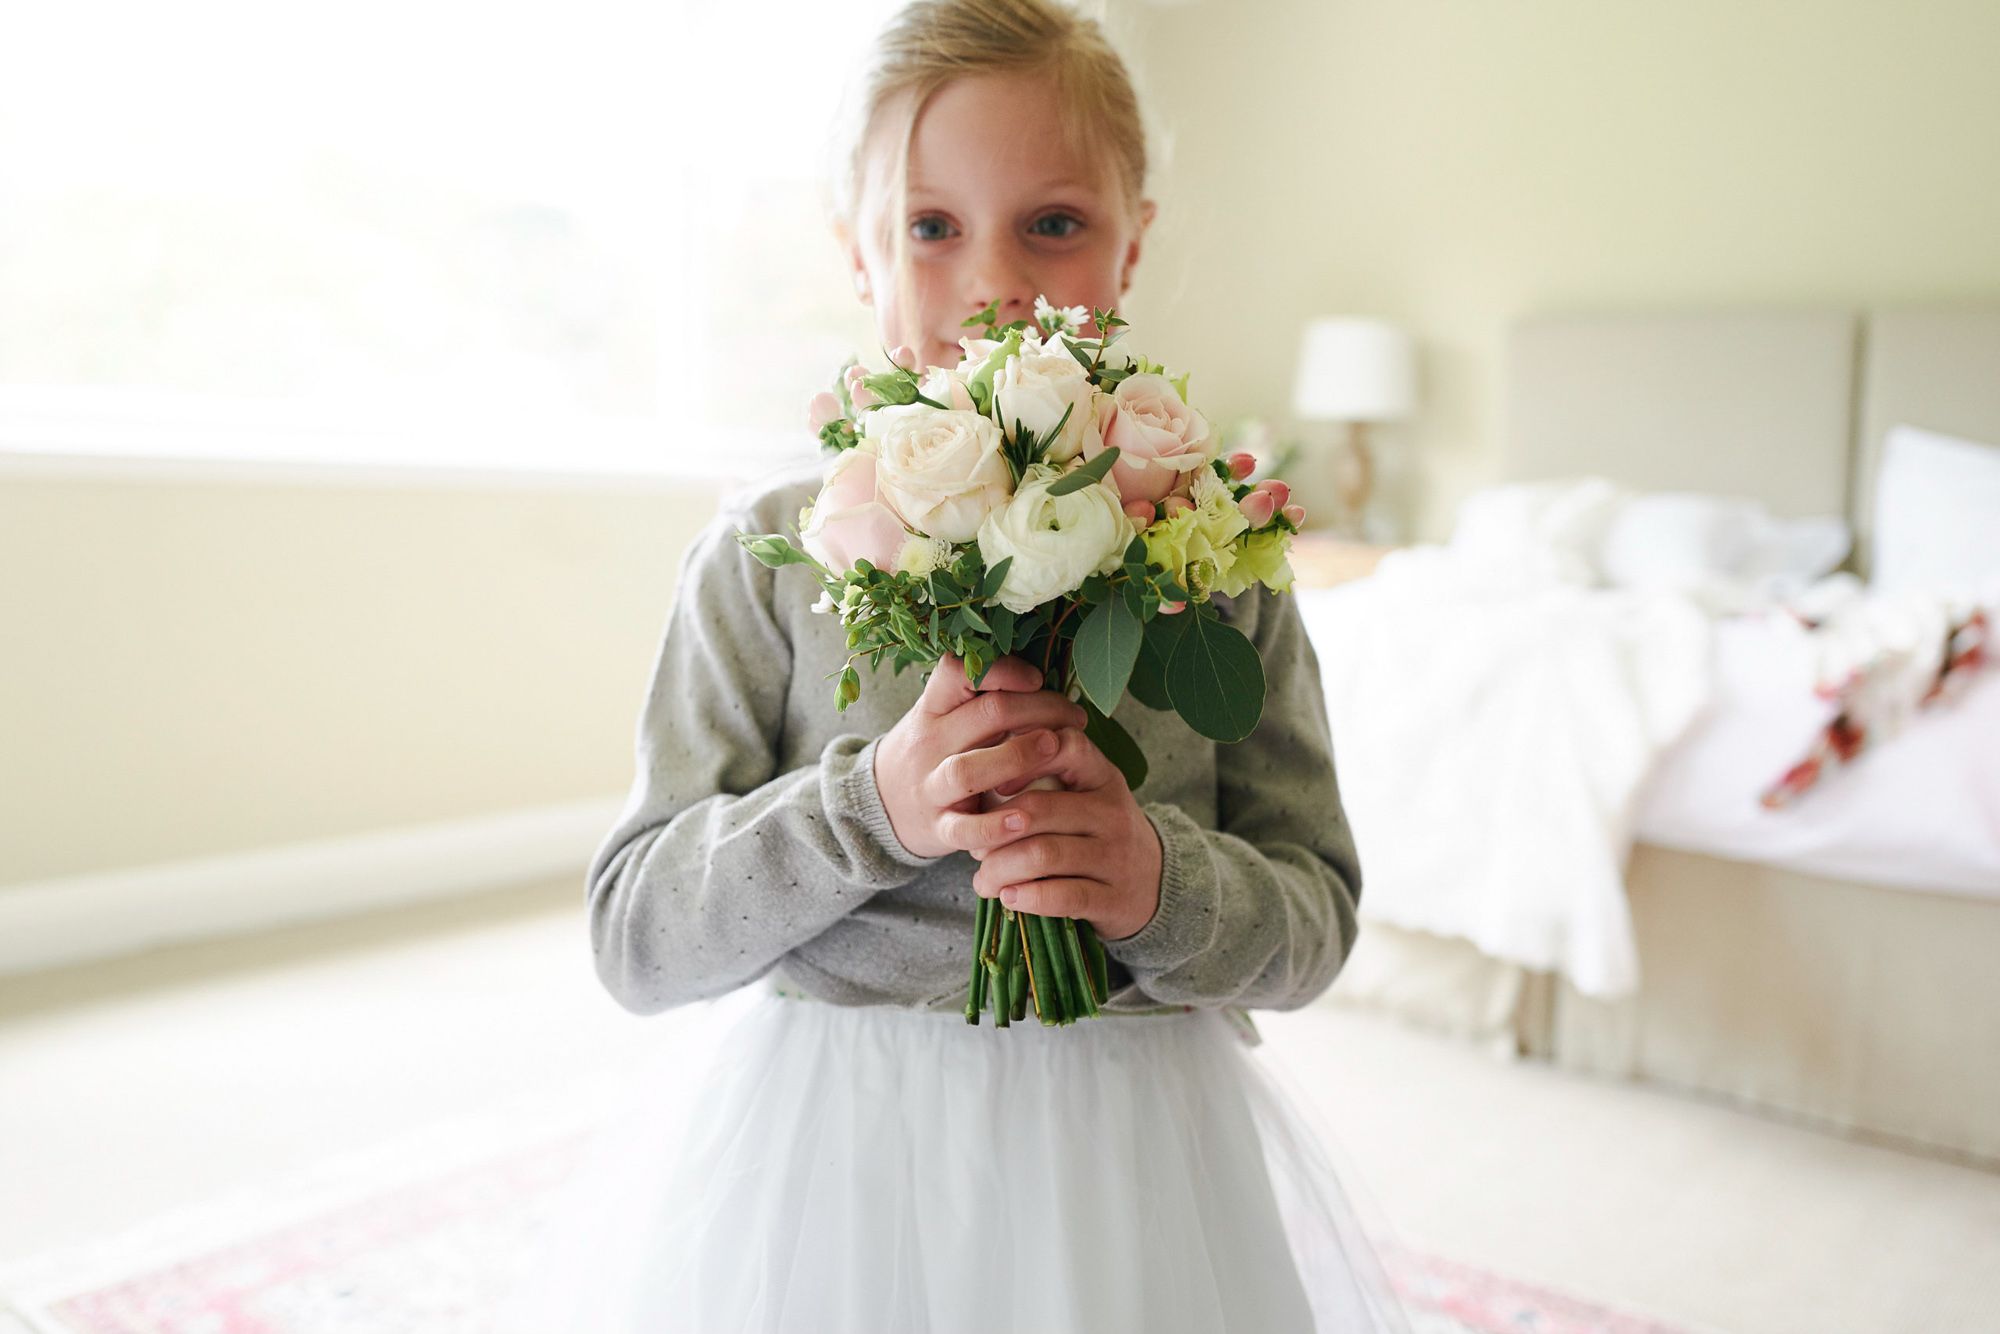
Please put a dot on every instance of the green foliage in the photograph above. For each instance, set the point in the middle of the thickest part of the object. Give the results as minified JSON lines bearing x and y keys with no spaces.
{"x":1107,"y":646}
{"x":1215,"y":678}
{"x":1090,"y":472}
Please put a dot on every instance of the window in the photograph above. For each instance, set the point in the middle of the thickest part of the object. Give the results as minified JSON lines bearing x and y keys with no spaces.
{"x":587,"y":237}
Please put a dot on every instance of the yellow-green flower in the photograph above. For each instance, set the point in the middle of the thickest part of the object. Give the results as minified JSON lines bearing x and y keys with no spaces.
{"x":1260,"y":558}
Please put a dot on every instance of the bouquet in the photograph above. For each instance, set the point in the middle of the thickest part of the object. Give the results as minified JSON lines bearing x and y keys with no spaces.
{"x":1051,"y":498}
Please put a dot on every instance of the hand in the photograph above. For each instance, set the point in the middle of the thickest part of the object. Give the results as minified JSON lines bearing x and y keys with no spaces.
{"x":1088,"y":851}
{"x":959,"y":741}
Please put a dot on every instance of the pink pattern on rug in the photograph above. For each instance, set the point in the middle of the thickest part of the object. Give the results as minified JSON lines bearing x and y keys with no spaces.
{"x":427,"y":1257}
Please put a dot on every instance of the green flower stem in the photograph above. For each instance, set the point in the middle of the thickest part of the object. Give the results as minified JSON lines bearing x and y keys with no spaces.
{"x":1086,"y":985}
{"x":1040,"y":984}
{"x":1100,"y":967}
{"x":1017,"y":986}
{"x":975,"y":994}
{"x":1059,"y":966}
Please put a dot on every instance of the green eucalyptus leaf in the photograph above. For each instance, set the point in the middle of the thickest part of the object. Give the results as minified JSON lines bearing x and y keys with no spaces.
{"x":1215,"y":678}
{"x":1116,"y":743}
{"x":1149,"y":674}
{"x":1107,"y":645}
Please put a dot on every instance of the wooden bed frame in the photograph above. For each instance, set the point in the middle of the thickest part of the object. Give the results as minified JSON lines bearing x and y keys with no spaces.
{"x":1865,"y":1009}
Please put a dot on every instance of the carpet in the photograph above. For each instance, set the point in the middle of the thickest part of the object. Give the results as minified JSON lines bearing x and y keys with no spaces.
{"x":411,"y":1238}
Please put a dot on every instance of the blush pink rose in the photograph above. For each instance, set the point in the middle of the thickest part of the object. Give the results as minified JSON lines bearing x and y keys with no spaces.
{"x":1160,"y":439}
{"x":849,"y":522}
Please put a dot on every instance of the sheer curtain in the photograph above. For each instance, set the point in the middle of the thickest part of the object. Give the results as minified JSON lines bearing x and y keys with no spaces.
{"x":586,"y":236}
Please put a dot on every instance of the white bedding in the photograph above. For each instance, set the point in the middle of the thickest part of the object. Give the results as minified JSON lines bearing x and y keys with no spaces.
{"x":1920,"y":810}
{"x":1505,"y":725}
{"x":1491,"y":734}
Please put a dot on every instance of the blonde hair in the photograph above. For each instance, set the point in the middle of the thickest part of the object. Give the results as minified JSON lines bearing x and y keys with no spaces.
{"x":931,"y":42}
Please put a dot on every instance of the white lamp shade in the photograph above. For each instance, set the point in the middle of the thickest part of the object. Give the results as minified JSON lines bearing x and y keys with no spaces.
{"x":1355,"y":370}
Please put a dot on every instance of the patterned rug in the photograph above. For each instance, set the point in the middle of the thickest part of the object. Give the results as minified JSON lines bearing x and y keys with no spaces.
{"x":343,"y":1249}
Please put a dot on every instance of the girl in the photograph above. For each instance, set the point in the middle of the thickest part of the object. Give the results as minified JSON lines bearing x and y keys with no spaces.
{"x":850,"y":1156}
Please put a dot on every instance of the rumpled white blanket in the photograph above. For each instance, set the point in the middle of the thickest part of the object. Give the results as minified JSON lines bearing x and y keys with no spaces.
{"x":1498,"y":703}
{"x":1491,"y":724}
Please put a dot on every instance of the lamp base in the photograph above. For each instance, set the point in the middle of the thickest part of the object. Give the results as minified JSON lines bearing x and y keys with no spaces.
{"x":1353,"y":482}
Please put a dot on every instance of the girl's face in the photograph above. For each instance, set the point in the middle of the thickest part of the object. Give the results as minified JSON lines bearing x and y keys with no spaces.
{"x":997,"y":209}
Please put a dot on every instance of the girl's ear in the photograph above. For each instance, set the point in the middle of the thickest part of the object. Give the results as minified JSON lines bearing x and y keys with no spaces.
{"x":1147,"y":209}
{"x":843,"y":236}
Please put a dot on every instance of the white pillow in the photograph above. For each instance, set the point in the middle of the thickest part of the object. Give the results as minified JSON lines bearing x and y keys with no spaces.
{"x":1728,"y":551}
{"x":1937,"y":513}
{"x":1547,"y":530}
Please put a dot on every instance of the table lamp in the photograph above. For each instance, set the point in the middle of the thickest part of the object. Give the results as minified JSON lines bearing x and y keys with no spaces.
{"x":1357,"y":371}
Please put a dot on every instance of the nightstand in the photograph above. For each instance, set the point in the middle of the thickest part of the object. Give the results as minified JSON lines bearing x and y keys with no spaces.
{"x":1321,"y":560}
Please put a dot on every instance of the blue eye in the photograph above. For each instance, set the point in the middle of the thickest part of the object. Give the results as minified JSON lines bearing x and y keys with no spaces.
{"x":1077,"y":225}
{"x":917,"y":227}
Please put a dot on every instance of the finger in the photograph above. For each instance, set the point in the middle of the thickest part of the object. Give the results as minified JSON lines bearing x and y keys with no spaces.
{"x":1066,"y":897}
{"x":970,"y":772}
{"x":1077,"y":762}
{"x":948,"y":688}
{"x":992,"y":714}
{"x":1044,"y":856}
{"x":1038,"y":812}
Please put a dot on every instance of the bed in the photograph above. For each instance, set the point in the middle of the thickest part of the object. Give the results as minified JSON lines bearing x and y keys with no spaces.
{"x":1863,"y":1007}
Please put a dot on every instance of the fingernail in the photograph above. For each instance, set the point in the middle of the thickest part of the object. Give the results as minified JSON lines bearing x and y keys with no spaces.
{"x":1048,"y":743}
{"x":1014,"y":823}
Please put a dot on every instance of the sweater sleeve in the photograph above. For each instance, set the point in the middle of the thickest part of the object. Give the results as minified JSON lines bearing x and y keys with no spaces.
{"x":719,"y":865}
{"x":1259,"y":912}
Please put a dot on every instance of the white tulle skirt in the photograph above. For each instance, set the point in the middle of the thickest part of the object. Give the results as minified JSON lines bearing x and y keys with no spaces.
{"x":806,"y":1168}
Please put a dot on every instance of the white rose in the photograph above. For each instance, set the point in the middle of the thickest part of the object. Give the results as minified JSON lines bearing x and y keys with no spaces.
{"x":941,"y":470}
{"x":1056,"y":542}
{"x":977,"y":350}
{"x":1036,"y":388}
{"x":946,"y":387}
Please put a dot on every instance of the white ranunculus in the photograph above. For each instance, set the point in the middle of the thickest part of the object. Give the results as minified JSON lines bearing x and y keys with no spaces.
{"x":940,"y":469}
{"x":1035,"y":388}
{"x":1056,"y":542}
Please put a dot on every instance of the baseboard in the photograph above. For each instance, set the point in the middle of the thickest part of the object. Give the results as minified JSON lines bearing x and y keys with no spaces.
{"x":74,"y":919}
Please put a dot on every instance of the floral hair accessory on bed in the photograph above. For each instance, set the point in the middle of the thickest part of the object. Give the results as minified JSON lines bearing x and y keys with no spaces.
{"x":1049,"y":498}
{"x":1876,"y":694}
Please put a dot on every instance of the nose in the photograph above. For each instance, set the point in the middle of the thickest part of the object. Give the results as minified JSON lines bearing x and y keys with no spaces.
{"x":998,"y":269}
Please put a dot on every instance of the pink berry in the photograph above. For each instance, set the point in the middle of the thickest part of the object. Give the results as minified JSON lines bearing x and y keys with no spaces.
{"x":1241,"y":465}
{"x":1297,"y":514}
{"x":1257,"y":507}
{"x":823,"y":409}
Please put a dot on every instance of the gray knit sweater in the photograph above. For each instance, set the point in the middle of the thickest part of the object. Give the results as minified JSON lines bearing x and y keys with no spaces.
{"x":754,"y":837}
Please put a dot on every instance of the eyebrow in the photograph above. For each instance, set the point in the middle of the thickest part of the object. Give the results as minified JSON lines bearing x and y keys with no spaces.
{"x":919,"y":188}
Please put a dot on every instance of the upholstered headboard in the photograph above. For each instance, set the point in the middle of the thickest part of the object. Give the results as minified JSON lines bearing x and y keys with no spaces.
{"x":1939,"y":369}
{"x":1785,"y":406}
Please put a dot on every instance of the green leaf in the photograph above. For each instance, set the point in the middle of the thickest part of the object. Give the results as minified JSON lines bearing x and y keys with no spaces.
{"x":1136,"y":551}
{"x":1088,"y":475}
{"x":974,"y":619}
{"x":1149,"y":674}
{"x":1215,"y":678}
{"x":1003,"y":627}
{"x":989,"y":587}
{"x":1106,"y":647}
{"x":1116,"y":743}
